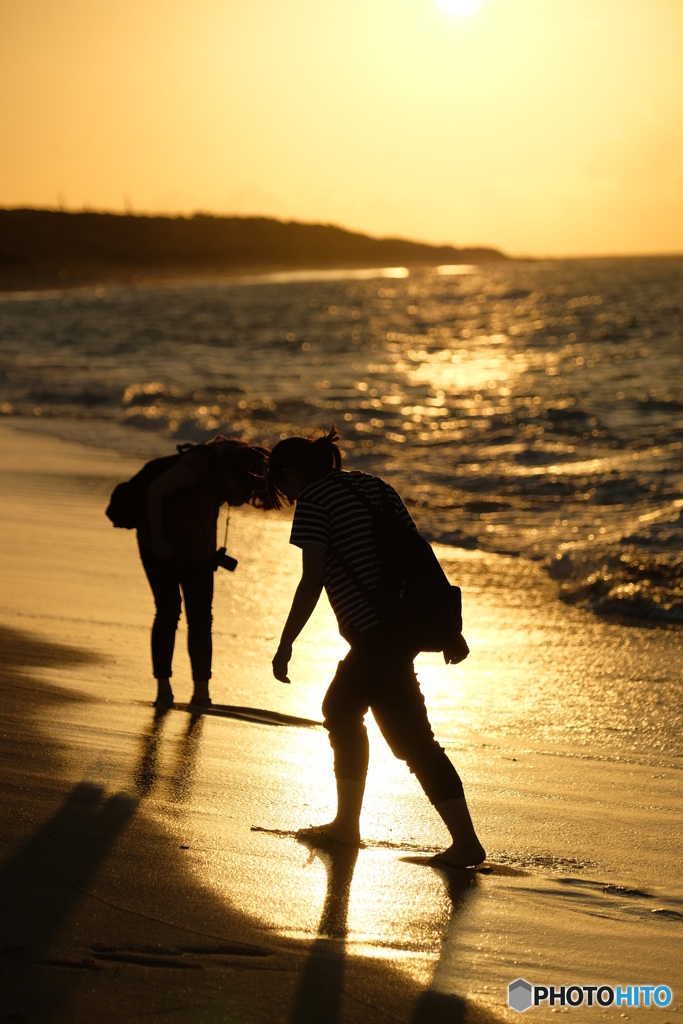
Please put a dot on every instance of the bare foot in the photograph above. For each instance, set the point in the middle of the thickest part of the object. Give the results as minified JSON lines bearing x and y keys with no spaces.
{"x":461,"y":855}
{"x":335,"y":833}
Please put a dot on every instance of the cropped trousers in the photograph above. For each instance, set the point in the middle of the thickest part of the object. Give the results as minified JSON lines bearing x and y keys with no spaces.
{"x":378,"y":675}
{"x":167,"y":577}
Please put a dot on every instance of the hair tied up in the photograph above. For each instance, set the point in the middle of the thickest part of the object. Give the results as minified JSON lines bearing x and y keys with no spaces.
{"x":330,"y":443}
{"x":315,"y":457}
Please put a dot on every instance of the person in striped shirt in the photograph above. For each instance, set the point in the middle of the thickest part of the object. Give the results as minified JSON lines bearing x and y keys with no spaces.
{"x":334,"y":529}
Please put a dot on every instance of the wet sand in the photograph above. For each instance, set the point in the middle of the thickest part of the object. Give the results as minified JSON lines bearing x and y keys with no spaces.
{"x":148,"y":863}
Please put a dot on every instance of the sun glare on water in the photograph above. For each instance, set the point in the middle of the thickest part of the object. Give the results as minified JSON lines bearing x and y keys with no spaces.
{"x":458,"y":6}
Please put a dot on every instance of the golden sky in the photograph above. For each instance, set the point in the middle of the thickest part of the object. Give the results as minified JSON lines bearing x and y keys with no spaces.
{"x":538,"y":126}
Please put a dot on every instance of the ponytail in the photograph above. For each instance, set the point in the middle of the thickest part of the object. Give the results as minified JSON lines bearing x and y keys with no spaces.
{"x":315,"y":457}
{"x":325,"y":450}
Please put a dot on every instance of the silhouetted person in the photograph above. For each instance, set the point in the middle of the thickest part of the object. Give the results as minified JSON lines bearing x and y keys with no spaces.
{"x":334,"y":529}
{"x":177,"y":541}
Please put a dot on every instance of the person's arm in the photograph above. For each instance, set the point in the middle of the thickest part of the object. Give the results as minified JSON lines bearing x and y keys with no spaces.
{"x":186,"y":472}
{"x":314,"y":557}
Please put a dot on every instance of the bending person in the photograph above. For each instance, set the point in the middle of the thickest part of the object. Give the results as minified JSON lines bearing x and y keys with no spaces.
{"x":177,"y":542}
{"x":333,"y":528}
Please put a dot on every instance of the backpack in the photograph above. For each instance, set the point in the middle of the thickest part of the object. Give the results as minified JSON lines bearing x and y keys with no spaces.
{"x":128,"y":502}
{"x":413,"y":600}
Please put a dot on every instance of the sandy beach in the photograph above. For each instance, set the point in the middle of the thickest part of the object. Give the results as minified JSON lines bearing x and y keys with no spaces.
{"x":149,"y":866}
{"x":443,"y":239}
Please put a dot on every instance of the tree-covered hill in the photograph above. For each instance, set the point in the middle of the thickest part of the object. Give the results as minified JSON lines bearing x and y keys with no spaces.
{"x":42,"y":248}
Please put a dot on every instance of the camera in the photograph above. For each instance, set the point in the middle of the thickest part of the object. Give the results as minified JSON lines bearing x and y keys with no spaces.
{"x":224,"y":561}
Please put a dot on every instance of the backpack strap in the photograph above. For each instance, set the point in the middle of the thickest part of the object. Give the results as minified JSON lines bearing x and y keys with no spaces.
{"x":374,"y":508}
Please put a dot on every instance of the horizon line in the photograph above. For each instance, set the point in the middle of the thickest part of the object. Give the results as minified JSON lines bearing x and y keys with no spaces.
{"x":517,"y":257}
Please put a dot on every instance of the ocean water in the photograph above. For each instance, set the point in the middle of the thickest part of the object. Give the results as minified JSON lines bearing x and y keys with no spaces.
{"x":529,"y":409}
{"x":532,"y":409}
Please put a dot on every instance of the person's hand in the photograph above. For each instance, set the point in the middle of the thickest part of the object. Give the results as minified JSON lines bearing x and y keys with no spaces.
{"x":280,"y":663}
{"x":161,"y":548}
{"x":456,"y":651}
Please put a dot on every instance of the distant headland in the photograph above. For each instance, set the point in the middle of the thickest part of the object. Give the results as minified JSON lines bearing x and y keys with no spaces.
{"x":53,"y":248}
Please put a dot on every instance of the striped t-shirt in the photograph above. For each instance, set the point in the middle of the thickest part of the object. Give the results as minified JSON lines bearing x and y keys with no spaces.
{"x":329,"y":513}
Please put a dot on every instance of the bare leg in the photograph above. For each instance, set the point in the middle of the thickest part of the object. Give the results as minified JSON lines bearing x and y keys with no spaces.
{"x":466,"y":850}
{"x":345,"y":828}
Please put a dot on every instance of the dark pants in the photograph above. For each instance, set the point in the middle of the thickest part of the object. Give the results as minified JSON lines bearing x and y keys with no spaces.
{"x":166,"y":578}
{"x":376,"y":675}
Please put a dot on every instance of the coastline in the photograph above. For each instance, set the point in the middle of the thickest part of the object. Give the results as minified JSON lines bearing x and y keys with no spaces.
{"x":104,"y":910}
{"x":266,"y":272}
{"x":192,"y":277}
{"x":582,"y":835}
{"x":525,"y":441}
{"x":54,"y":246}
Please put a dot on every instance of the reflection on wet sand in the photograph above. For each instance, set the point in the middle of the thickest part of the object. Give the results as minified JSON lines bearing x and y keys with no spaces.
{"x":185,"y":765}
{"x":319,"y":995}
{"x":146,"y":771}
{"x":99,"y":911}
{"x":322,"y":983}
{"x":433,"y":1006}
{"x":540,"y":721}
{"x":80,"y":894}
{"x":321,"y":987}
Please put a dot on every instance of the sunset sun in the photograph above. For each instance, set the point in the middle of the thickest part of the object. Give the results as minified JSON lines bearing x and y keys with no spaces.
{"x":458,"y":7}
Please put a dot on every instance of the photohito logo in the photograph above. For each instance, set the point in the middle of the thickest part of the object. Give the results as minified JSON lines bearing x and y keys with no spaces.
{"x":522,"y":995}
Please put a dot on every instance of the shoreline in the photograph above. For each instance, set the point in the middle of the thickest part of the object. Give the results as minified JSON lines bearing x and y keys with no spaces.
{"x":143,"y":277}
{"x":131,"y":443}
{"x":575,"y":821}
{"x":104,"y":892}
{"x":247,"y":274}
{"x":56,"y":245}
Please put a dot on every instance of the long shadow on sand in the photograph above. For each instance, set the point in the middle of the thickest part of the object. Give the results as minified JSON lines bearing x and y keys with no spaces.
{"x":102,"y":917}
{"x":319,"y":994}
{"x":259,"y":715}
{"x":41,"y":882}
{"x":40,"y":889}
